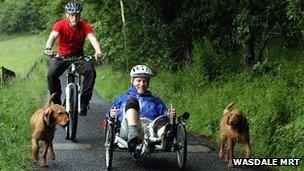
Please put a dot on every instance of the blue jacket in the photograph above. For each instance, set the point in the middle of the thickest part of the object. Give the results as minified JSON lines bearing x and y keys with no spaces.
{"x":150,"y":106}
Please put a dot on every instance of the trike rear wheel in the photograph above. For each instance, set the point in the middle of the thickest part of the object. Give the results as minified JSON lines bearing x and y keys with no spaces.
{"x":109,"y":144}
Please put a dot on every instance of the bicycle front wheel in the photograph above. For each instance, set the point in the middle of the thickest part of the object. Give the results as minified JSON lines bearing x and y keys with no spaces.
{"x":72,"y":108}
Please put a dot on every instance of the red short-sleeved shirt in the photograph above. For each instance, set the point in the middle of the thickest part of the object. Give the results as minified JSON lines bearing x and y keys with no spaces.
{"x":70,"y":41}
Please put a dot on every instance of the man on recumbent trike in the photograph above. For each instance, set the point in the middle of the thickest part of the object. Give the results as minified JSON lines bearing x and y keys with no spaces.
{"x":136,"y":109}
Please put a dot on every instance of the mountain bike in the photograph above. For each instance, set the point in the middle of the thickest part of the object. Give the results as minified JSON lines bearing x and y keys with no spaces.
{"x":73,"y":92}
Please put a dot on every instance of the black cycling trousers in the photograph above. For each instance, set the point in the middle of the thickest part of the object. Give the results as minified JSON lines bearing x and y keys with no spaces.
{"x":57,"y":68}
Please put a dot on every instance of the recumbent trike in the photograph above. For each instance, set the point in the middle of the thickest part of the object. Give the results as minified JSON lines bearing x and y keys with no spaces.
{"x":150,"y":143}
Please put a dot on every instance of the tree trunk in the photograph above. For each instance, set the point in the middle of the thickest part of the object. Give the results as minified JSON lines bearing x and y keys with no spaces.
{"x":249,"y":49}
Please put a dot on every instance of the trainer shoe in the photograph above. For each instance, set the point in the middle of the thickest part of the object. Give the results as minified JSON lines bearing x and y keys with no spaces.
{"x":133,"y":142}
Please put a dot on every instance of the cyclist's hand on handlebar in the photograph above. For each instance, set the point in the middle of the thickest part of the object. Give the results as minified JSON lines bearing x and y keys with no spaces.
{"x":98,"y":56}
{"x":172,"y":113}
{"x":114,"y":112}
{"x":48,"y":52}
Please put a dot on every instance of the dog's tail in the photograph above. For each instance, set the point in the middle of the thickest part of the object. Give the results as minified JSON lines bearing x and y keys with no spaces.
{"x":49,"y":101}
{"x":228,"y":107}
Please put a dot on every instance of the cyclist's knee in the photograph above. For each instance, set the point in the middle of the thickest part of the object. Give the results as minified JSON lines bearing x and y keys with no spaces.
{"x":90,"y":71}
{"x":87,"y":66}
{"x":132,"y":103}
{"x":52,"y":77}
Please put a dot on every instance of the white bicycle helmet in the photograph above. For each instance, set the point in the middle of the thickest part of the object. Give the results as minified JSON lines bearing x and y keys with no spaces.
{"x":73,"y":7}
{"x":140,"y":70}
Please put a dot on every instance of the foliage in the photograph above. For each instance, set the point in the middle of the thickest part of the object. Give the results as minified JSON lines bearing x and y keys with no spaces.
{"x":262,"y":67}
{"x":162,"y":33}
{"x":107,"y":85}
{"x":210,"y":64}
{"x":52,"y":10}
{"x":133,"y":42}
{"x":295,"y":16}
{"x":109,"y":29}
{"x":20,"y":16}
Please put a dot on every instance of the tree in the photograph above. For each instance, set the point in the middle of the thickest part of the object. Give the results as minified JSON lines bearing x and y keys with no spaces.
{"x":19,"y":16}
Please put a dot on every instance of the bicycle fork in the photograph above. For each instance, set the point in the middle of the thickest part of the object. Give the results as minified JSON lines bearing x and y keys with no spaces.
{"x":74,"y":84}
{"x":79,"y":90}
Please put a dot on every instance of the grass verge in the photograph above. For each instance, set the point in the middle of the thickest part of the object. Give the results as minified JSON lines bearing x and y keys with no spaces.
{"x":18,"y":102}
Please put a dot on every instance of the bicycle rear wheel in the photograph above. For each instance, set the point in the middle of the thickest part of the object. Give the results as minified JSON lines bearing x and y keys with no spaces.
{"x":71,"y":106}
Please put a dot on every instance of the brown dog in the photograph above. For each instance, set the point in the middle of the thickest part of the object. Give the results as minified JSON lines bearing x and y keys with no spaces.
{"x":43,"y":123}
{"x":234,"y":129}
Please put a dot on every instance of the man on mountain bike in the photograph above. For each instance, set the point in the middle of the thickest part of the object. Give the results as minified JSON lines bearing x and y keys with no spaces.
{"x":139,"y":103}
{"x":71,"y":33}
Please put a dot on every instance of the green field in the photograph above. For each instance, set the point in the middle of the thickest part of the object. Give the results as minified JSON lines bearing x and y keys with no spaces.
{"x":19,"y":54}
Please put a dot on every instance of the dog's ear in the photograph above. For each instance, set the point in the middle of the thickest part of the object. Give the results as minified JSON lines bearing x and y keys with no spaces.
{"x":228,"y":108}
{"x":47,"y":116}
{"x":244,"y":120}
{"x":230,"y":105}
{"x":228,"y":119}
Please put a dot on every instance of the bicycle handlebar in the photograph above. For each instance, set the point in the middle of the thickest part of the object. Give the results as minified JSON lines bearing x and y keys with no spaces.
{"x":72,"y":58}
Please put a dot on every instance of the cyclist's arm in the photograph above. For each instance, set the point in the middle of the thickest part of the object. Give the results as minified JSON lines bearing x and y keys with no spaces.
{"x":114,"y":110}
{"x":95,"y":45}
{"x":50,"y":42}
